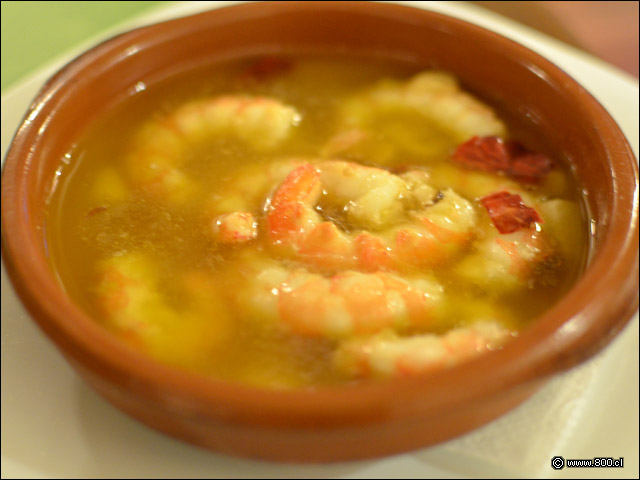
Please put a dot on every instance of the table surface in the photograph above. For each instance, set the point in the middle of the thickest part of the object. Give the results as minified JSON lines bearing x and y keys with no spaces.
{"x":55,"y":425}
{"x":33,"y":33}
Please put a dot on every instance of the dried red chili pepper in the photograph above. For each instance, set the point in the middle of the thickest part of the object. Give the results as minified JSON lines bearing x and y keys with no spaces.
{"x":529,"y":167}
{"x":492,"y":154}
{"x":488,"y":154}
{"x":508,"y":213}
{"x":265,"y":67}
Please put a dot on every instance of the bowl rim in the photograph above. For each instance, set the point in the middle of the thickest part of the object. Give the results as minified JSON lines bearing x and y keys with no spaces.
{"x":558,"y":339}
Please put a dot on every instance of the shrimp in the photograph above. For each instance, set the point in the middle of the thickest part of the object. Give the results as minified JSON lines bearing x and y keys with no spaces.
{"x":156,"y":157}
{"x":129,"y":295}
{"x":235,"y":228}
{"x":339,"y":306}
{"x":508,"y":260}
{"x":234,"y":208}
{"x":418,"y":120}
{"x":387,"y":354}
{"x":373,"y":197}
{"x":434,"y":95}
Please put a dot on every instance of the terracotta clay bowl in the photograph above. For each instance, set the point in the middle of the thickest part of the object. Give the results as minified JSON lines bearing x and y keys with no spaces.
{"x":356,"y":421}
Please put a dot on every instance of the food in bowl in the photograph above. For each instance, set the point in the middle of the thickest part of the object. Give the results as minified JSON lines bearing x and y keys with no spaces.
{"x":303,"y":221}
{"x":546,"y":111}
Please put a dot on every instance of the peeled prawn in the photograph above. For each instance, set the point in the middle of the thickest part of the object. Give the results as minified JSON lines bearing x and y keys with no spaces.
{"x":235,"y":207}
{"x":131,"y":300}
{"x":418,"y":230}
{"x":387,"y":354}
{"x":370,"y":197}
{"x":508,"y":260}
{"x":344,"y":304}
{"x":236,"y":227}
{"x":436,"y":96}
{"x":127,"y":294}
{"x":157,"y":153}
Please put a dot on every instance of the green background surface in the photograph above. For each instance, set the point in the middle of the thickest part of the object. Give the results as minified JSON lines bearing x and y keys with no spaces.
{"x":34,"y":33}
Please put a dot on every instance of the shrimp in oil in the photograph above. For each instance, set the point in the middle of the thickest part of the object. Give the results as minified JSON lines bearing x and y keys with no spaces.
{"x":342,"y":305}
{"x":155,"y":159}
{"x":388,"y":355}
{"x":372,"y":198}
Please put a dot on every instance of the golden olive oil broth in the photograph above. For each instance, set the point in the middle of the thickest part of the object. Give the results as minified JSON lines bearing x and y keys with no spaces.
{"x":96,"y":214}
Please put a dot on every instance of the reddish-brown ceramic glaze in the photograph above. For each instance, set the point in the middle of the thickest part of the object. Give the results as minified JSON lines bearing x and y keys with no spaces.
{"x":351,"y":422}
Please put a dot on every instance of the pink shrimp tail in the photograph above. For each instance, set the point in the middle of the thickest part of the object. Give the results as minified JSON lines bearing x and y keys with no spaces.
{"x":285,"y":219}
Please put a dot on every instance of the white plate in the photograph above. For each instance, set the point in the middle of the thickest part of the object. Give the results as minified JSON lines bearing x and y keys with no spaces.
{"x":54,"y":425}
